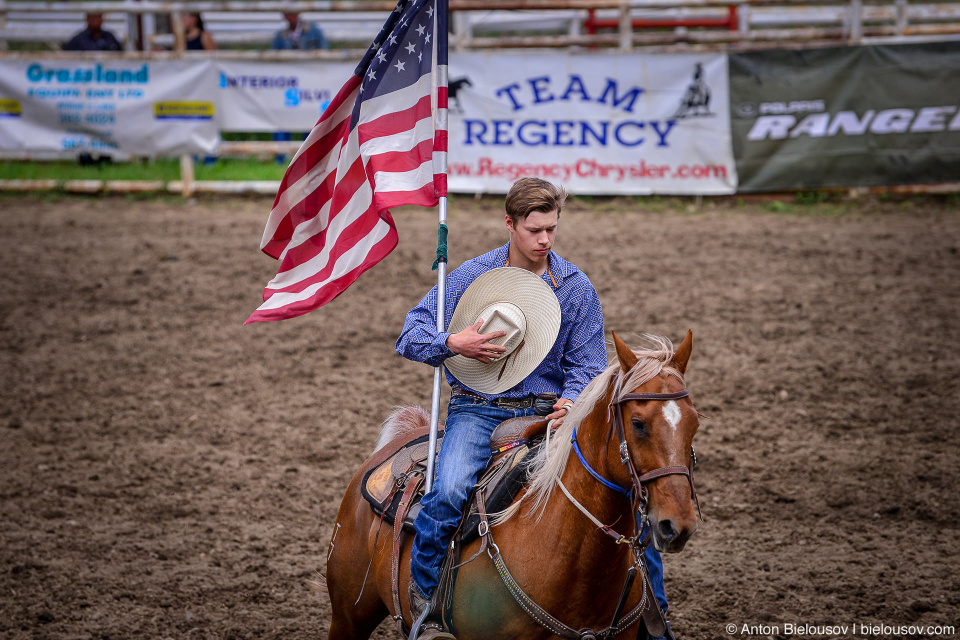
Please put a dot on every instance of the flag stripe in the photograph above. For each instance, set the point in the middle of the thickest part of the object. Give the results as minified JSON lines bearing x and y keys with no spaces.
{"x":440,"y":141}
{"x":401,"y":140}
{"x":425,"y":196}
{"x":396,"y":103}
{"x":345,"y":235}
{"x":403,"y":180}
{"x":392,"y":124}
{"x":440,"y":184}
{"x":400,"y":161}
{"x":320,"y":294}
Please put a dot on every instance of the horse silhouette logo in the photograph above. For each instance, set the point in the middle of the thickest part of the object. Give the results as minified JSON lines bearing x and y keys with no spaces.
{"x":696,"y":99}
{"x":453,"y":88}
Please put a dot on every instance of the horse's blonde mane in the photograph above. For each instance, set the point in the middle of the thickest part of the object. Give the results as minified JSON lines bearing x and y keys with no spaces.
{"x":548,"y":465}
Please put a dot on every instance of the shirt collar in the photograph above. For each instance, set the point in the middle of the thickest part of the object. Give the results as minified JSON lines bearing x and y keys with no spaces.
{"x":561,"y":268}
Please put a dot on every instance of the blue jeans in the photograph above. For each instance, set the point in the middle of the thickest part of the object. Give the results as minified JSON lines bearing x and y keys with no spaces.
{"x":651,"y":557}
{"x":461,"y":461}
{"x":655,"y":569}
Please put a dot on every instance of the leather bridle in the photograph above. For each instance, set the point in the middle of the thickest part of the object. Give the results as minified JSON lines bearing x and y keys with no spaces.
{"x":639,"y":480}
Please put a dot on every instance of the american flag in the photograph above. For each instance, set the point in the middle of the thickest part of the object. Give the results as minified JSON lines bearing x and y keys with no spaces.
{"x":381,"y":143}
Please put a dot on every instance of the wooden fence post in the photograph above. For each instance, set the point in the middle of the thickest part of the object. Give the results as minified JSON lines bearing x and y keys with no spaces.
{"x":743,"y":18}
{"x":187,"y":178}
{"x":461,"y":30}
{"x":901,"y":18}
{"x":856,"y":21}
{"x":626,"y":26}
{"x":176,"y":26}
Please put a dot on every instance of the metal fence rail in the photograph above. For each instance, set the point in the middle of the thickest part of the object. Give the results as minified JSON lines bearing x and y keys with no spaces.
{"x":483,"y":24}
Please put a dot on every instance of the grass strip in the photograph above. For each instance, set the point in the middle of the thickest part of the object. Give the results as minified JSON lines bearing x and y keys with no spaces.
{"x":163,"y":170}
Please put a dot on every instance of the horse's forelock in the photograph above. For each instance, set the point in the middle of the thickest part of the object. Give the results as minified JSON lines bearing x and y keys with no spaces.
{"x":401,"y":420}
{"x":653,"y":359}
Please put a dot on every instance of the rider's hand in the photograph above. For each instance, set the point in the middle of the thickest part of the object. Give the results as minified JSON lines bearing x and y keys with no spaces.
{"x":560,"y":411}
{"x":470,"y":344}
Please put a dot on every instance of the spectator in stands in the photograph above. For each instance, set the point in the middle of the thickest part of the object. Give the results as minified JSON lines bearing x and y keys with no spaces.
{"x":299,"y":34}
{"x":94,"y":37}
{"x":196,"y":36}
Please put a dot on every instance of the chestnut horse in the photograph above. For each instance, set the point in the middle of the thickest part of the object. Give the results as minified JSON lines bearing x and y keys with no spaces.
{"x":551,"y":546}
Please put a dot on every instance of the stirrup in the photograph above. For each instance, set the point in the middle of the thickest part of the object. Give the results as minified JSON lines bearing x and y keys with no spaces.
{"x":415,"y":627}
{"x":423,"y":629}
{"x":434,"y":631}
{"x":426,"y":626}
{"x":668,"y":634}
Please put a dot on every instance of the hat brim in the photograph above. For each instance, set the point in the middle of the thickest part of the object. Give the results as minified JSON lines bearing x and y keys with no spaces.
{"x":541,"y":311}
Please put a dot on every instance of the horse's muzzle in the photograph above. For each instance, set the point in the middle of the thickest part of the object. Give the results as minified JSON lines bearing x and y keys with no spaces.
{"x":669,"y":536}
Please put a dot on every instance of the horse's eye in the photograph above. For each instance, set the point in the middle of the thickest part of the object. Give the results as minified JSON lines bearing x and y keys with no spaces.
{"x":639,"y":425}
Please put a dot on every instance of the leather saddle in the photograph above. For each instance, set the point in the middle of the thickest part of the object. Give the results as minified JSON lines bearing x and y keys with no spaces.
{"x":404,"y":459}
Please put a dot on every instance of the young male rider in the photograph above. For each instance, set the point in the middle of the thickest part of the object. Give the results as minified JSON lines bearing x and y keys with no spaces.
{"x":533,"y":209}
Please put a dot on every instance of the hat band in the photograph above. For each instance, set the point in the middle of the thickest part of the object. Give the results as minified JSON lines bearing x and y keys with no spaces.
{"x":507,"y":359}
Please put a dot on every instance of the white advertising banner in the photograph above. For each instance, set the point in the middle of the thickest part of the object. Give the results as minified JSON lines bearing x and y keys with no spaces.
{"x":62,"y":107}
{"x":276,"y":96}
{"x":596,"y":123}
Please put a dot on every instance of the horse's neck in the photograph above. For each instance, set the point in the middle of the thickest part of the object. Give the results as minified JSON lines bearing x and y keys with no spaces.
{"x":594,"y":439}
{"x":589,"y":544}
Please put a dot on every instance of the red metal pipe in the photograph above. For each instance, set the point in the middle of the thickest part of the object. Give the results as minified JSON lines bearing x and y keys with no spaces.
{"x":592,"y":24}
{"x":640,"y":23}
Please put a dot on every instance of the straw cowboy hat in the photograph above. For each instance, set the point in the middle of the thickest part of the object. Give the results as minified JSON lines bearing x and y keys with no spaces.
{"x":519,"y":303}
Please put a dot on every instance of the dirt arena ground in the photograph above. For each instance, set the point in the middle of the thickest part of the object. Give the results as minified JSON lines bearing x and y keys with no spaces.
{"x":166,"y":472}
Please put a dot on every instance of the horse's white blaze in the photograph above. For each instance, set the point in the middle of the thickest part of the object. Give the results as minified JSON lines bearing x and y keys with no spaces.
{"x":671,"y":411}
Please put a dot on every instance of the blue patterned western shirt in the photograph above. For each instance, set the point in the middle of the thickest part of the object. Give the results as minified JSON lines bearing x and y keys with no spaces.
{"x":578,"y":355}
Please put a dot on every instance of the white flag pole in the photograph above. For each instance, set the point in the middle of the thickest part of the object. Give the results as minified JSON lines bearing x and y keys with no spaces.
{"x":440,"y":59}
{"x":438,"y":371}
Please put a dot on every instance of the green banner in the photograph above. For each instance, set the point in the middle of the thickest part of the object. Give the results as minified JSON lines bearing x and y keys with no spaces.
{"x":846,"y":116}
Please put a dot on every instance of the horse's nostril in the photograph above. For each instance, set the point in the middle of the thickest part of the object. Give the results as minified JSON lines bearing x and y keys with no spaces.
{"x":667,"y":532}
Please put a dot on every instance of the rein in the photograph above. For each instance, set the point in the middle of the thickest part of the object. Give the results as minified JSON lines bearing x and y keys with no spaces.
{"x":592,"y":471}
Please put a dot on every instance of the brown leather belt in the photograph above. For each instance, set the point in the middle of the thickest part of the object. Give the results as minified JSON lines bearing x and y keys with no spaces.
{"x":502,"y":403}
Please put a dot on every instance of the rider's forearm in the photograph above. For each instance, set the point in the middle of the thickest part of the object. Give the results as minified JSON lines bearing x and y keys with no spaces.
{"x":420,"y":341}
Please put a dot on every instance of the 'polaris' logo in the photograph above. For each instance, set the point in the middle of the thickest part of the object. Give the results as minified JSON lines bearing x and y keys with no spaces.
{"x":752,"y":109}
{"x":818,"y":125}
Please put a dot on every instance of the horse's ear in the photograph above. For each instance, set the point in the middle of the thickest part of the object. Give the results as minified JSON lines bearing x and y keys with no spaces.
{"x":624,"y":353}
{"x":682,"y":355}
